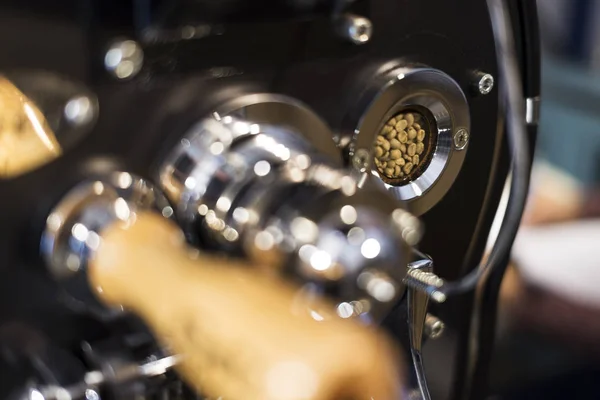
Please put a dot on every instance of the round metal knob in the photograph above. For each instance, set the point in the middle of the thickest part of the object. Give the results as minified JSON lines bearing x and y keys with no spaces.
{"x":72,"y":232}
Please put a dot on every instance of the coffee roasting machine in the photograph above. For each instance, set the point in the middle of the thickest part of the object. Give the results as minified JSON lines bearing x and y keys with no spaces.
{"x":268,"y":199}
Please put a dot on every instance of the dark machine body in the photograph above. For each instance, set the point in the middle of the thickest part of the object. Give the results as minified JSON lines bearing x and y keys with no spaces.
{"x":288,"y":48}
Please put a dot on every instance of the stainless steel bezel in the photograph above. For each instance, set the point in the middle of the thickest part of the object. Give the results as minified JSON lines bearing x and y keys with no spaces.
{"x":406,"y":88}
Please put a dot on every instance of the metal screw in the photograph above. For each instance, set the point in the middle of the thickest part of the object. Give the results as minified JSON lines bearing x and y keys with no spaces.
{"x":426,"y":282}
{"x":80,"y":110}
{"x":461,"y":139}
{"x":124,"y":59}
{"x":485,"y":83}
{"x":361,"y":160}
{"x":434,"y":327}
{"x":355,"y":28}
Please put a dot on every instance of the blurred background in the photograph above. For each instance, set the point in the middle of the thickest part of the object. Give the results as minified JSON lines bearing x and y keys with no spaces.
{"x":548,"y":341}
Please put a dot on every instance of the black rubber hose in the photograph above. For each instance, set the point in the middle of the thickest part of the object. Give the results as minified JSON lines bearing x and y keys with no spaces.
{"x":513,"y":102}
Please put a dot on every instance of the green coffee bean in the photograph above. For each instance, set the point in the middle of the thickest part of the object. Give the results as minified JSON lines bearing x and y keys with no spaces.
{"x":412,"y":149}
{"x":412,"y":134}
{"x":385,"y":145}
{"x":421,"y":135}
{"x":402,"y":136}
{"x":378,"y":151}
{"x":410,"y":119}
{"x":407,"y":168}
{"x":420,"y":148}
{"x":401,"y":125}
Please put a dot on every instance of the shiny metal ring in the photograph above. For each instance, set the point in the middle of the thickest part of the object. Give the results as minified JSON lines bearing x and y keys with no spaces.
{"x":443,"y":102}
{"x":215,"y":156}
{"x":247,"y":142}
{"x":286,"y":112}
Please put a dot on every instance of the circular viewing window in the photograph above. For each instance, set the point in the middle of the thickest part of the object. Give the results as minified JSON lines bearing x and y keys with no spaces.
{"x":407,"y":120}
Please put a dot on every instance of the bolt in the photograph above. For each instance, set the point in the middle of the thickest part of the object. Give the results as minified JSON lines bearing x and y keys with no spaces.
{"x":356,"y":29}
{"x":426,"y":282}
{"x":361,"y":160}
{"x":485,"y":83}
{"x":461,"y":139}
{"x":124,"y":59}
{"x":434,"y":327}
{"x":80,"y":110}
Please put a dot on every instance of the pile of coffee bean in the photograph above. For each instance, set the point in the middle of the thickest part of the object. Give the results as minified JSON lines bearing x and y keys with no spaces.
{"x":400,"y":145}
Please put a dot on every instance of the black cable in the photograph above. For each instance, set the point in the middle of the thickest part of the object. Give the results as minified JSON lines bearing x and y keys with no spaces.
{"x":512,"y":100}
{"x":530,"y":49}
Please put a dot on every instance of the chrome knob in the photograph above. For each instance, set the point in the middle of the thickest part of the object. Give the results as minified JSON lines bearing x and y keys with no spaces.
{"x":72,"y":231}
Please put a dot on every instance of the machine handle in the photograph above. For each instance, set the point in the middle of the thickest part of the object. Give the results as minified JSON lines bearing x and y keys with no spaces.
{"x":26,"y":139}
{"x":241,"y":335}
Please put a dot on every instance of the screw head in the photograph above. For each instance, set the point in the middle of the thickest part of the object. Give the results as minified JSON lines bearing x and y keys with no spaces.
{"x":461,"y":139}
{"x":361,"y":160}
{"x":485,"y":83}
{"x":357,"y":29}
{"x":434,"y":327}
{"x":124,"y":59}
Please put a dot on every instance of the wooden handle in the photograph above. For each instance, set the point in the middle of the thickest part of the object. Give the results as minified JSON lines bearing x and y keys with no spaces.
{"x":242,"y":336}
{"x":26,"y":140}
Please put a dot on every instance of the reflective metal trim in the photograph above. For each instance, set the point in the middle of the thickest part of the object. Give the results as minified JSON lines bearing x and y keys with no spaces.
{"x":532,"y":110}
{"x":400,"y":89}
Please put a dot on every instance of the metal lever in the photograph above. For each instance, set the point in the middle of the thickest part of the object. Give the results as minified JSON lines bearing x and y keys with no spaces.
{"x":417,"y":303}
